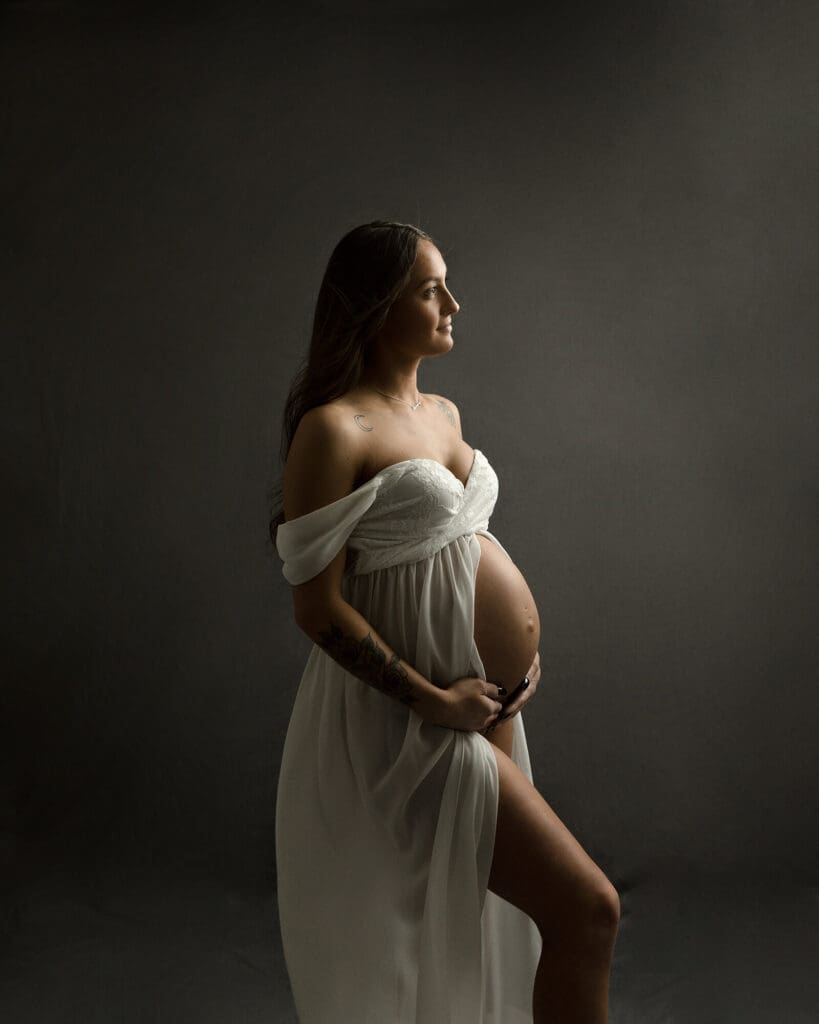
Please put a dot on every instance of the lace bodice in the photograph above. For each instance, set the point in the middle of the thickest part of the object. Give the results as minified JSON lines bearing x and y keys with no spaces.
{"x":406,"y":512}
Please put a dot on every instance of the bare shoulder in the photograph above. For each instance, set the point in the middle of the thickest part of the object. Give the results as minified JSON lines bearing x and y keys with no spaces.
{"x":448,"y":409}
{"x":323,"y":461}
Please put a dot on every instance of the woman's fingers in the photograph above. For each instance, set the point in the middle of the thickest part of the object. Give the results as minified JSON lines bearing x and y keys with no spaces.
{"x":492,"y":692}
{"x":525,"y":695}
{"x":510,"y":710}
{"x":504,"y":712}
{"x":517,"y":704}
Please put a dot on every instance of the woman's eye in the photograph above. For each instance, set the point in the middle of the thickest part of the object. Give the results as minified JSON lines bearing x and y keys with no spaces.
{"x":429,"y":291}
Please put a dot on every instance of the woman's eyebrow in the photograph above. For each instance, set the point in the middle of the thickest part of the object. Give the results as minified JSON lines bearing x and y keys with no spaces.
{"x":427,"y":279}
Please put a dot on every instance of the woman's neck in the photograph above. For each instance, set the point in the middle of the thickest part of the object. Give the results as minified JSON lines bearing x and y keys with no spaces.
{"x":395,"y":383}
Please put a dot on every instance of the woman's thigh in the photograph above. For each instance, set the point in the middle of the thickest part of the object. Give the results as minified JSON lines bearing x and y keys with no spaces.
{"x":539,"y":866}
{"x":503,"y":735}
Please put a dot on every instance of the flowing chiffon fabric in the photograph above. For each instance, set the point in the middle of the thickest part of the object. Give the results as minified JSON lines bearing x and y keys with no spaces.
{"x":385,"y":823}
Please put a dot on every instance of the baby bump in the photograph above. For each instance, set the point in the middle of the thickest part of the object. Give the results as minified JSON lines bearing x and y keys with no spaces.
{"x":507,"y":627}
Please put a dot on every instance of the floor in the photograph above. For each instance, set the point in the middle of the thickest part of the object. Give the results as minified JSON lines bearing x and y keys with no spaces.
{"x":131,"y":950}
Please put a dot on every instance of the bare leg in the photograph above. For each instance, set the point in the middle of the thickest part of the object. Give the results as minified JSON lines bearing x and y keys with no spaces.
{"x":542,"y":869}
{"x":502,"y":736}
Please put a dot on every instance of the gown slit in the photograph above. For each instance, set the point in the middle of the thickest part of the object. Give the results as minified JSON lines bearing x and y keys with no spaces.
{"x":385,"y":823}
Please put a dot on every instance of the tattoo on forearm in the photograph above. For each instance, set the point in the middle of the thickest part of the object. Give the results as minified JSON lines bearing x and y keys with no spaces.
{"x":365,"y":659}
{"x":445,"y":410}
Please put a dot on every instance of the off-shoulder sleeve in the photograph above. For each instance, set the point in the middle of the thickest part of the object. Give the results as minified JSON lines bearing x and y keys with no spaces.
{"x":308,"y":543}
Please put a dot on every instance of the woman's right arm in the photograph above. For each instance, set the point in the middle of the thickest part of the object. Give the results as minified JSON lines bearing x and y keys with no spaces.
{"x":322,"y":466}
{"x":351,"y":641}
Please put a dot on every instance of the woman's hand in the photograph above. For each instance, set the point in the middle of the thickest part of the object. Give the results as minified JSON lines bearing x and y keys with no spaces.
{"x":523,"y":698}
{"x":470,"y":704}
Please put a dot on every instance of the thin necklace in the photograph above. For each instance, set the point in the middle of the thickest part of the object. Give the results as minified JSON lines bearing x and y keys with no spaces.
{"x":415,"y":406}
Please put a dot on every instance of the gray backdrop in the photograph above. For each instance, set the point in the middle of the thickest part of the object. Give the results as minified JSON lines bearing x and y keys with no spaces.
{"x":626,"y":197}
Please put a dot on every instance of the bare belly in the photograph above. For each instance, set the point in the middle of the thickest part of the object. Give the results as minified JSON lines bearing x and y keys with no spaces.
{"x":507,"y":627}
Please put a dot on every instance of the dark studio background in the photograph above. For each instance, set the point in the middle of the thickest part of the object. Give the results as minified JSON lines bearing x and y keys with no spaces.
{"x":626,"y":198}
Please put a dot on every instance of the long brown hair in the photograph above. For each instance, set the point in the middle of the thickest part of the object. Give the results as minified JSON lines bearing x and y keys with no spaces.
{"x":367,"y":271}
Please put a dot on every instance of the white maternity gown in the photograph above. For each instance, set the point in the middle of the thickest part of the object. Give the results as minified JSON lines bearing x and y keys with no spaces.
{"x":385,"y":823}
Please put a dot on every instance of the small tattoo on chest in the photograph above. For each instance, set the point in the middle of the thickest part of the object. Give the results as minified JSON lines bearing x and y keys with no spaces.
{"x":360,"y":416}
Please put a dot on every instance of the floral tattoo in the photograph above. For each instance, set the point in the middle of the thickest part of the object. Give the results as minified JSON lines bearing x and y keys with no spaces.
{"x":366,"y":660}
{"x":445,"y":410}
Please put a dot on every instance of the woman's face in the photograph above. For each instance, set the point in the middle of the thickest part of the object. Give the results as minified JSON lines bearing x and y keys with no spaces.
{"x":419,"y":321}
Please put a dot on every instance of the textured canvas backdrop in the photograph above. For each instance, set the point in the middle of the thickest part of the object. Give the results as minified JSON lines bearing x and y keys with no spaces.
{"x":626,"y":200}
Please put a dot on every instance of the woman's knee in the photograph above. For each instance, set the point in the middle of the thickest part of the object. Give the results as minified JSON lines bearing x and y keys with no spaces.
{"x":591,"y":916}
{"x":605,"y":906}
{"x":540,"y":867}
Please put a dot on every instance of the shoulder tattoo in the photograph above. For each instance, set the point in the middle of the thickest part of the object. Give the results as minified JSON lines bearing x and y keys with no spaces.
{"x":445,"y":410}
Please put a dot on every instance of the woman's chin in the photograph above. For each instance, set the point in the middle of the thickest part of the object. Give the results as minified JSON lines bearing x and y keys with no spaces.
{"x":447,"y":342}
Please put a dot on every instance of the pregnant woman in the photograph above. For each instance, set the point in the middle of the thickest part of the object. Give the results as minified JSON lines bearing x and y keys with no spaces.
{"x":422,"y":879}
